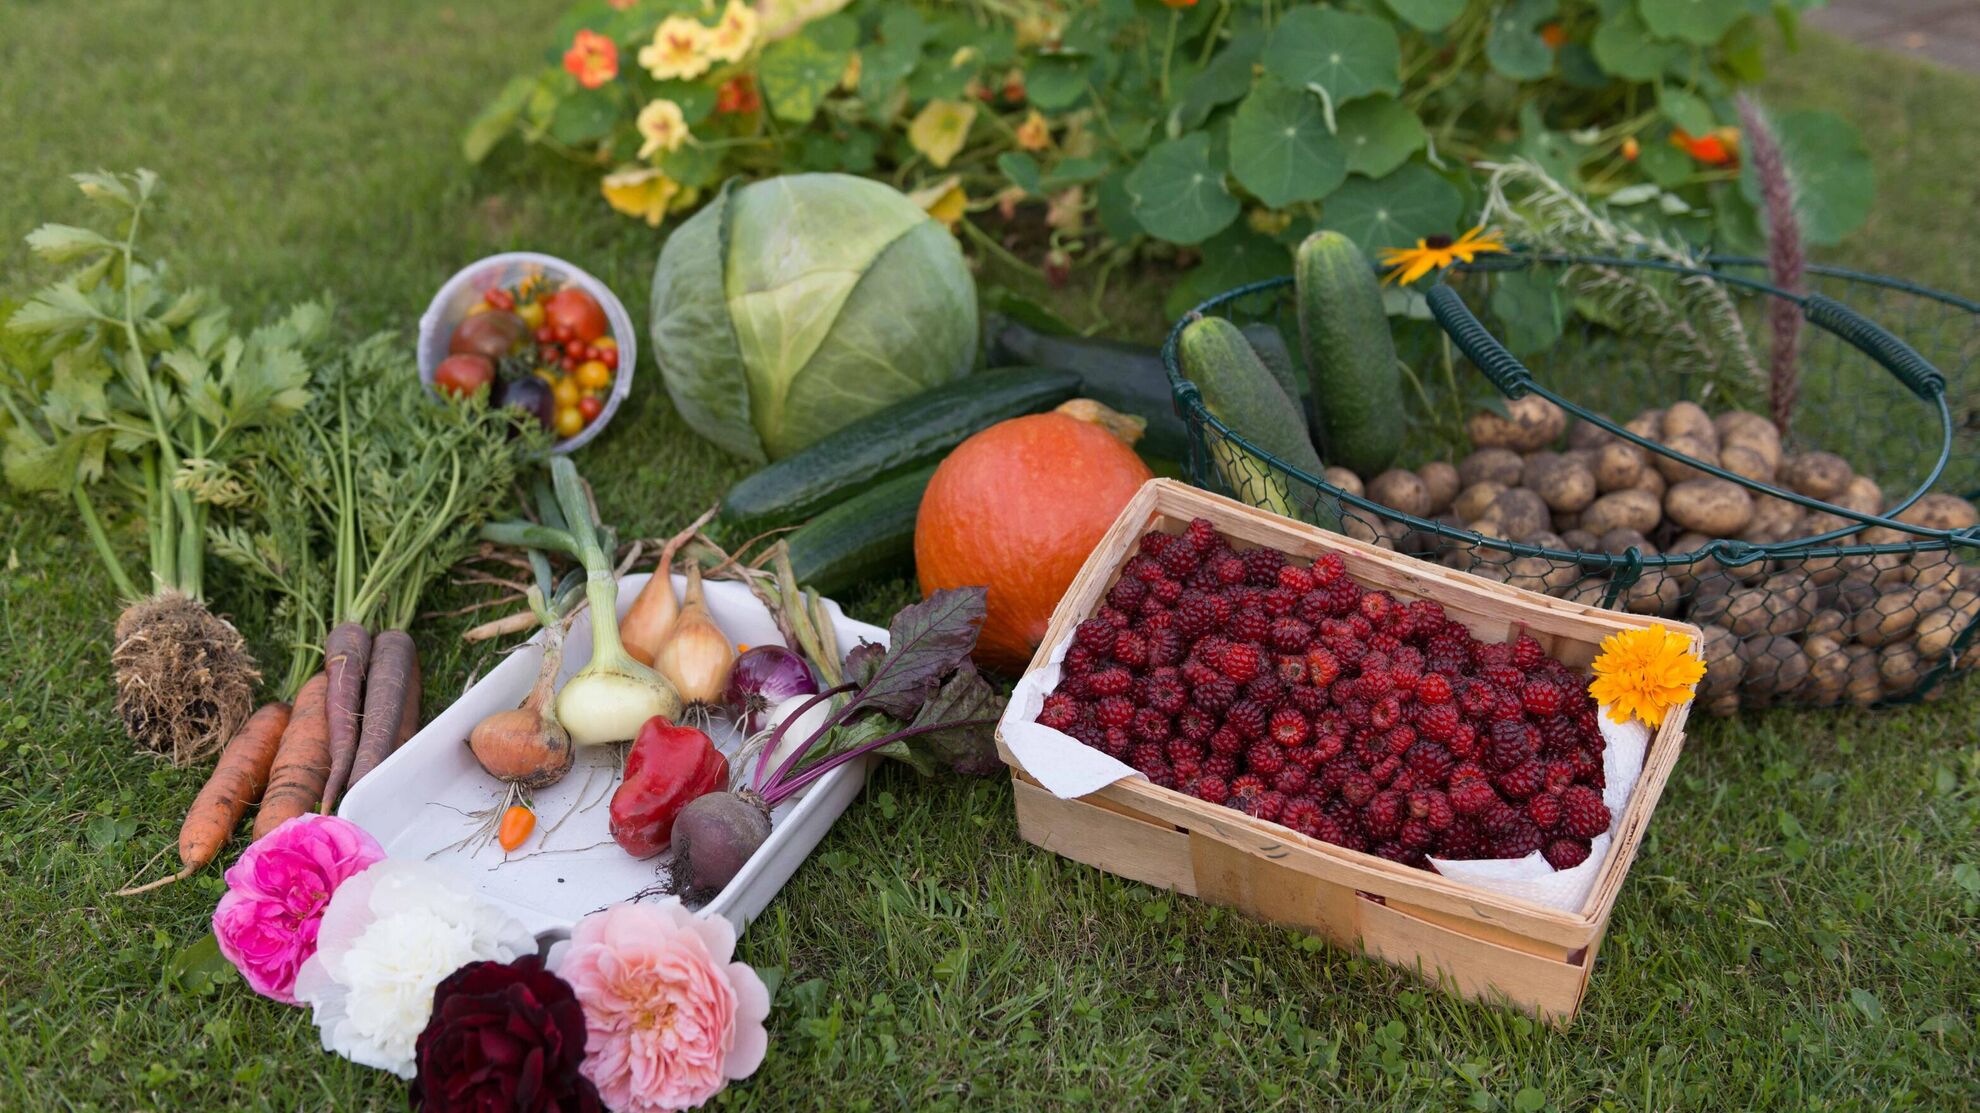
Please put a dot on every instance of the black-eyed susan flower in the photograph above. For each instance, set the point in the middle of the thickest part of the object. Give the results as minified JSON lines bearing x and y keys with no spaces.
{"x":1407,"y":264}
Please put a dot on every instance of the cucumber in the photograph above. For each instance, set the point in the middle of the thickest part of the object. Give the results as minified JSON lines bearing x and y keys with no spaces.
{"x":1121,"y":376}
{"x":1357,"y":386}
{"x":1270,"y":344}
{"x":898,"y":439}
{"x":1239,"y":391}
{"x":868,"y":536}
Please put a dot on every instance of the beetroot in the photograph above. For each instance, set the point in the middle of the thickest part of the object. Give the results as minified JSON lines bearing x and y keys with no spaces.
{"x":714,"y":836}
{"x":669,"y":767}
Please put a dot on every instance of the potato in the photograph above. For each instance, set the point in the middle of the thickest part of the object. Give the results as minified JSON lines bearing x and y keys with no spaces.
{"x":1621,"y":540}
{"x":1651,"y":481}
{"x":1472,"y":502}
{"x":1828,"y":670}
{"x":1587,"y":434}
{"x":1490,"y":465}
{"x":1819,"y":475}
{"x":1401,"y":490}
{"x":1584,"y":456}
{"x":1440,"y":480}
{"x":1618,"y":466}
{"x":1688,"y":419}
{"x":1936,"y":631}
{"x":1632,"y":509}
{"x":1898,"y":669}
{"x":1935,"y":570}
{"x":1529,"y":423}
{"x":1565,"y":520}
{"x":1720,"y":651}
{"x":1941,"y":512}
{"x":1648,"y":424}
{"x":1894,"y":613}
{"x":1345,"y":480}
{"x":1656,"y":592}
{"x":1773,"y":520}
{"x":1590,"y":591}
{"x":1773,"y":665}
{"x":1827,"y":623}
{"x":1862,"y":495}
{"x":1746,"y":462}
{"x":1579,"y":540}
{"x":1533,"y":574}
{"x":1383,"y":533}
{"x":1742,"y":425}
{"x":1782,"y":604}
{"x":1521,"y":512}
{"x":1863,"y":686}
{"x":1716,"y":507}
{"x":1562,"y":484}
{"x":1697,"y":448}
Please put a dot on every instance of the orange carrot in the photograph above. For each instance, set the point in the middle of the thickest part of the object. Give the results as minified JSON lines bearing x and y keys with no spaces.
{"x":235,"y":785}
{"x":302,"y":764}
{"x":385,"y":687}
{"x":346,"y":658}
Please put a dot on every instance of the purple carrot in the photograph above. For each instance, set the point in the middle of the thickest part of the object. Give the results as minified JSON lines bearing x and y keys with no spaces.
{"x":393,"y":662}
{"x":346,"y":656}
{"x":409,"y":722}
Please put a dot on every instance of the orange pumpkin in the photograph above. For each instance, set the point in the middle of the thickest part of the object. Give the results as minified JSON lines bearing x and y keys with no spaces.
{"x":1017,"y":508}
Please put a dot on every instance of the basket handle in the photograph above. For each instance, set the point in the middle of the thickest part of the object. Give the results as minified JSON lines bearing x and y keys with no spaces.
{"x":1478,"y":344}
{"x":1867,"y":336}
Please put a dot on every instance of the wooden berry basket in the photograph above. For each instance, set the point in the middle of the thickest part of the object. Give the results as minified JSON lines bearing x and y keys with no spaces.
{"x":1472,"y":942}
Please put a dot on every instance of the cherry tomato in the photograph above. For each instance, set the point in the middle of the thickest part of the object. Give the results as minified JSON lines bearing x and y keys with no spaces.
{"x":605,"y":342}
{"x":576,"y":349}
{"x":461,"y":375}
{"x":568,"y":364}
{"x":494,"y":334}
{"x":559,"y":331}
{"x":590,"y":408}
{"x":594,"y":375}
{"x":569,"y":421}
{"x":500,"y":299}
{"x":578,"y":310}
{"x":532,"y":314}
{"x":544,"y":333}
{"x":610,"y":358}
{"x":565,"y":391}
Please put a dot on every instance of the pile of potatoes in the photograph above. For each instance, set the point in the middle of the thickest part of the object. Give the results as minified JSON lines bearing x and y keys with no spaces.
{"x":1818,"y":630}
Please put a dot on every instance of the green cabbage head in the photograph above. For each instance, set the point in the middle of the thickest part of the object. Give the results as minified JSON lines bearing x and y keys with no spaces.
{"x":789,"y":307}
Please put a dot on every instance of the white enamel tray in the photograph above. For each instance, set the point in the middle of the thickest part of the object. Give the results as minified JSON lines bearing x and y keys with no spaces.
{"x":418,"y":801}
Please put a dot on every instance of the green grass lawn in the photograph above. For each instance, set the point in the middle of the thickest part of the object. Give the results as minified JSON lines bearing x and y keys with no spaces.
{"x":1798,"y":932}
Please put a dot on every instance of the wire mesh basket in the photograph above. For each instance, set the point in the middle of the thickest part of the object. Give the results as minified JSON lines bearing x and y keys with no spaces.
{"x":1835,"y":568}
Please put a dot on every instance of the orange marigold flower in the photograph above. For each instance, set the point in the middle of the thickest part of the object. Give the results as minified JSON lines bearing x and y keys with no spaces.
{"x":593,"y":59}
{"x":1645,"y":673}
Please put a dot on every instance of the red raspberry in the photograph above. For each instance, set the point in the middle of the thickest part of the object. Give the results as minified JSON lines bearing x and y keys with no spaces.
{"x":1375,"y":605}
{"x":1288,"y":727}
{"x":1527,"y":653}
{"x":1114,"y":681}
{"x":1583,"y":814}
{"x":1297,"y":580}
{"x":1358,"y":787}
{"x":1520,"y":839}
{"x":1432,"y":807}
{"x":1230,"y":570}
{"x":1383,"y":815}
{"x":1154,"y":543}
{"x":1292,"y":780}
{"x":1386,"y":713}
{"x":1202,"y":534}
{"x":1221,"y":765}
{"x":1417,"y":835}
{"x":1544,"y":809}
{"x":1161,"y":775}
{"x":1464,"y":745}
{"x":1278,"y":602}
{"x":1214,"y":694}
{"x":1301,"y":814}
{"x":1565,"y":854}
{"x":1165,"y":647}
{"x":1510,"y":744}
{"x":1179,"y":560}
{"x":1240,"y":663}
{"x":1487,"y":655}
{"x":1438,"y":722}
{"x":1178,"y":750}
{"x":1329,"y":569}
{"x":1247,"y":718}
{"x":1094,"y":635}
{"x":1250,"y":624}
{"x":1430,"y":762}
{"x":1290,"y":635}
{"x":1211,"y":789}
{"x":1081,"y":660}
{"x":1560,"y":774}
{"x":1224,"y":740}
{"x":1327,"y":745}
{"x":1146,"y":755}
{"x":1245,"y":789}
{"x":1268,"y":806}
{"x":1525,"y":779}
{"x":1588,"y":768}
{"x":1264,"y":759}
{"x":1309,"y":699}
{"x":1150,"y":725}
{"x":1130,"y":649}
{"x":1195,"y":726}
{"x":1114,"y":711}
{"x":1472,"y":796}
{"x":1126,"y":595}
{"x":1165,"y":592}
{"x":1503,"y":677}
{"x":1322,"y":667}
{"x":1385,"y":770}
{"x":1266,"y":690}
{"x":1060,"y":711}
{"x":1186,"y":769}
{"x":1462,"y":841}
{"x":1261,"y":566}
{"x":1541,"y":698}
{"x":1116,"y":741}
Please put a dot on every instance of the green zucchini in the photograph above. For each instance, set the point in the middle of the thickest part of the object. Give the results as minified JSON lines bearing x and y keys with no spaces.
{"x":1239,"y":391}
{"x":1350,"y":354}
{"x":868,"y":536}
{"x":1121,"y":376}
{"x":890,"y":442}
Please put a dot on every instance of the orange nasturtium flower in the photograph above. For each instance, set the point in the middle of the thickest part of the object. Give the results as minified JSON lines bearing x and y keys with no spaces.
{"x":679,"y":50}
{"x":1034,"y":134}
{"x":1719,"y":147}
{"x":1554,"y":35}
{"x":1631,"y":148}
{"x":1645,"y":673}
{"x":738,"y":94}
{"x":593,"y":59}
{"x":1407,"y":264}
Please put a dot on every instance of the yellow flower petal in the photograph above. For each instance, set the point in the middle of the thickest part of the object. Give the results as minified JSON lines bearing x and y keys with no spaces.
{"x":678,"y":50}
{"x":943,"y":200}
{"x":640,"y":191}
{"x":1645,"y":673}
{"x":940,"y":130}
{"x":732,"y":37}
{"x":662,"y":126}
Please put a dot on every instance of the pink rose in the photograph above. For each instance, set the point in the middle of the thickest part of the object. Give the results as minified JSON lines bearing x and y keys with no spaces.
{"x":276,"y":892}
{"x":669,"y":1019}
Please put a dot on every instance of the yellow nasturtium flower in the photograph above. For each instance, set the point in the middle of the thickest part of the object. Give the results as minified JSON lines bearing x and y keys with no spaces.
{"x":943,"y":200}
{"x":940,"y":129}
{"x":640,"y":191}
{"x":662,"y":126}
{"x":730,"y":39}
{"x":679,"y":50}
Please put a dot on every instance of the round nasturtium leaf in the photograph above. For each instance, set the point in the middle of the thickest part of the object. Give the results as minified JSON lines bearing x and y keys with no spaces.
{"x":1177,"y":194}
{"x":1514,"y":46}
{"x":1427,"y":15}
{"x":1625,"y":48}
{"x":1695,"y":21}
{"x":1831,"y":170}
{"x":1393,"y":211}
{"x":1345,"y":55}
{"x":1379,"y":134}
{"x":1281,"y":149}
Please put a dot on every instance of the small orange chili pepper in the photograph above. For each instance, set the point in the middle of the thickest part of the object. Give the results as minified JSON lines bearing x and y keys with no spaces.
{"x":517,"y":823}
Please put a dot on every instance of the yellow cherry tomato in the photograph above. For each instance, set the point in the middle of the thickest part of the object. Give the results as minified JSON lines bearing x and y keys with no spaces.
{"x":565,"y":390}
{"x":605,"y":342}
{"x":532,"y":314}
{"x":547,"y":375}
{"x":593,"y":375}
{"x":480,"y":307}
{"x":569,"y":421}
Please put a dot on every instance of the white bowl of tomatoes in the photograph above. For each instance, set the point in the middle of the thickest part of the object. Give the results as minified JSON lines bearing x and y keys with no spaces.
{"x":538,"y":334}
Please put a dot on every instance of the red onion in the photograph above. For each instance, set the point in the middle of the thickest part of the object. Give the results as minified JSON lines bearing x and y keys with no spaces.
{"x":763,"y":677}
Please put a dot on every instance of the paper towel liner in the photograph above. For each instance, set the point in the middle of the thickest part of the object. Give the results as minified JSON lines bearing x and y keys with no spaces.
{"x":1068,"y":768}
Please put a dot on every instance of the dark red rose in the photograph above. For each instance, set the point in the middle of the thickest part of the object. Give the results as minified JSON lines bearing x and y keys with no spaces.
{"x":504,"y":1036}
